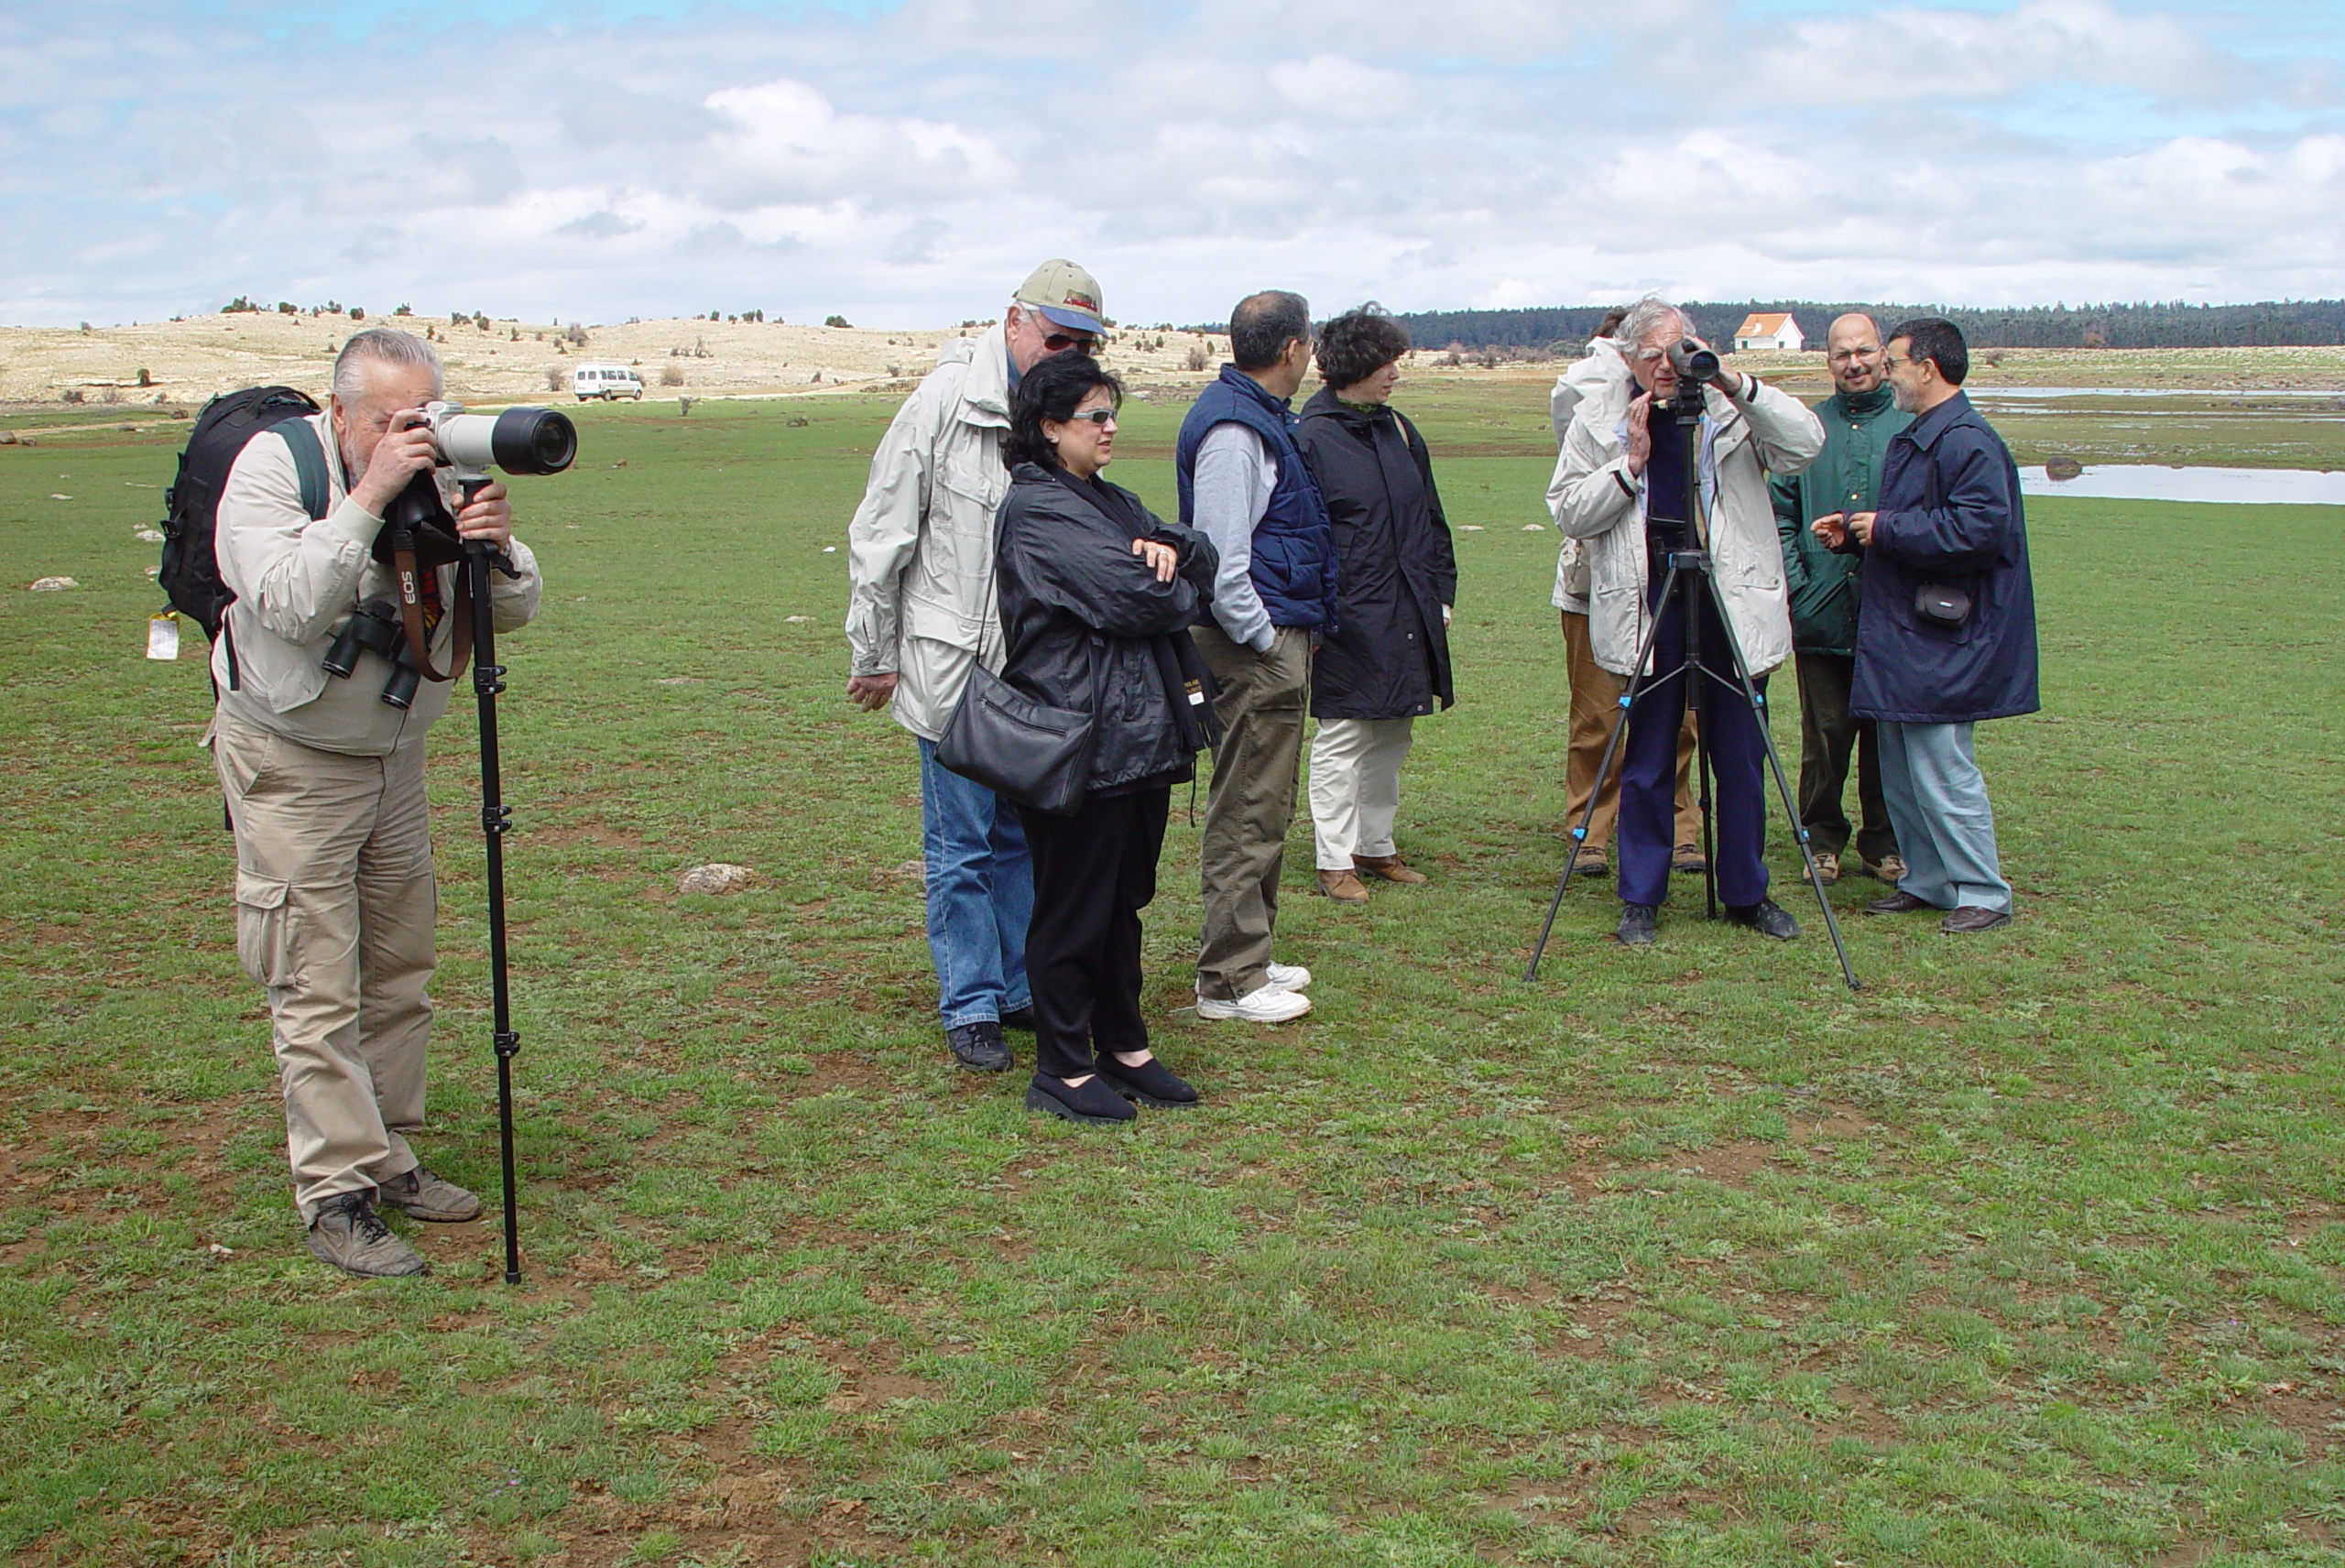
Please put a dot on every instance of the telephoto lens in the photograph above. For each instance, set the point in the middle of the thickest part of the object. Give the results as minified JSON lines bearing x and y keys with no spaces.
{"x":518,"y":440}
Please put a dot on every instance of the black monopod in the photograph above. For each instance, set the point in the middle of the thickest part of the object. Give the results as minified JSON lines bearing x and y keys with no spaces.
{"x":518,"y":440}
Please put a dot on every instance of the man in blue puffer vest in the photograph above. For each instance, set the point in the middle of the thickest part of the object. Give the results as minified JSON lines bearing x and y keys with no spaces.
{"x":1245,"y":486}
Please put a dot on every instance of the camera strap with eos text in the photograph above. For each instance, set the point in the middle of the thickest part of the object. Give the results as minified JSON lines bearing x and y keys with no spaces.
{"x":419,"y":535}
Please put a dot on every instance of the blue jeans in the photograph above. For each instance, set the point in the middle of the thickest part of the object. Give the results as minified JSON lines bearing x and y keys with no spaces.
{"x":980,"y":895}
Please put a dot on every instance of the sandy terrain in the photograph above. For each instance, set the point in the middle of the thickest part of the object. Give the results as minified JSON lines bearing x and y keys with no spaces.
{"x":185,"y":362}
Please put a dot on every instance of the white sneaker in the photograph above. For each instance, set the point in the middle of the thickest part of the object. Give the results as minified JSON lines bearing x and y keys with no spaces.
{"x":1290,"y":976}
{"x":1263,"y":1005}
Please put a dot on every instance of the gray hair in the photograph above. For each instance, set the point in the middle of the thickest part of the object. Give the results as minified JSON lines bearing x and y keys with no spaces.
{"x":1644,"y":317}
{"x":384,"y":345}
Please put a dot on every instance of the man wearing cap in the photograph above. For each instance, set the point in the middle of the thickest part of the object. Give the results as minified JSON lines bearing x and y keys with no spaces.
{"x":920,"y":612}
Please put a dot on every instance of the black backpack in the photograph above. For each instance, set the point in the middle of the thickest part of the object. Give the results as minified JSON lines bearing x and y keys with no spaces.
{"x":191,"y":573}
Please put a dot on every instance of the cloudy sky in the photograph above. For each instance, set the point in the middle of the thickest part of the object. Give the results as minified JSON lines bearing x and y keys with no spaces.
{"x":904,"y":163}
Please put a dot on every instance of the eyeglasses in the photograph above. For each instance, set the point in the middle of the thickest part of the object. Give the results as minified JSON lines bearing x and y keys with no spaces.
{"x":1842,"y":355}
{"x":1059,"y":343}
{"x":1103,"y":418}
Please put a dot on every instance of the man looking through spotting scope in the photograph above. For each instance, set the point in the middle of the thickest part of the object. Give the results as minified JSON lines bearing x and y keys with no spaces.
{"x":324,"y":778}
{"x":921,"y":612}
{"x":1622,"y":484}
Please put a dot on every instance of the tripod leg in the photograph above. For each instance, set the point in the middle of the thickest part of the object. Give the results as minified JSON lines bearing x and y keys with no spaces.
{"x":1697,"y":702}
{"x":1638,"y":681}
{"x":1758,"y":701}
{"x":489,"y":679}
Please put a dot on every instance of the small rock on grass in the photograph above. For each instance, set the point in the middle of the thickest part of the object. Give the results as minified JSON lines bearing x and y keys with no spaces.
{"x":717,"y":876}
{"x":52,"y":584}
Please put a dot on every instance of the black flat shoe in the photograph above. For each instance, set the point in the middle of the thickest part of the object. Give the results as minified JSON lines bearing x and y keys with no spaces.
{"x":1019,"y":1019}
{"x":1090,"y":1101}
{"x":1151,"y":1082}
{"x":1766,"y":917}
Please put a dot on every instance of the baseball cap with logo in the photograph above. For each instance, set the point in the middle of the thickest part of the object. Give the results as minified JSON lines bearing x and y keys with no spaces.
{"x":1066,"y":294}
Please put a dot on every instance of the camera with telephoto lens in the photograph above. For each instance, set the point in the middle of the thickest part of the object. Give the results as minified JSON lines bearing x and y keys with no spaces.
{"x":375,"y":628}
{"x":518,"y":440}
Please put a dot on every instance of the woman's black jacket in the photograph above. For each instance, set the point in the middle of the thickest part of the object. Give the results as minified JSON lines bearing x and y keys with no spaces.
{"x":1084,"y":617}
{"x":1389,"y":658}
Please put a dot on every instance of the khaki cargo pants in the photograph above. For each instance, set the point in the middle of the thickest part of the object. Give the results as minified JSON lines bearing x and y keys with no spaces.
{"x":334,"y":910}
{"x":1264,"y":700}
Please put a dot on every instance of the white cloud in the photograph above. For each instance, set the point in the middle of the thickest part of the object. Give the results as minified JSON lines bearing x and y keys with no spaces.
{"x":911,"y":169}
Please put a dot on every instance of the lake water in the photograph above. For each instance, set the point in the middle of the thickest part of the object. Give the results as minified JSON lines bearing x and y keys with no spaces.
{"x":2001,"y":394}
{"x":2147,"y":482}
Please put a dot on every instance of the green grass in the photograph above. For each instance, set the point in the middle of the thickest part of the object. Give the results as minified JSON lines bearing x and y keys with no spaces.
{"x":2032,"y":1252}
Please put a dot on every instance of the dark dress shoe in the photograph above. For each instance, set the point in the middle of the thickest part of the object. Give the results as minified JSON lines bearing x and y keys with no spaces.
{"x":1019,"y":1018}
{"x":979,"y":1046}
{"x":1973,"y":918}
{"x":1766,"y":917}
{"x":1151,"y":1082}
{"x":1898,"y":904}
{"x":1636,"y":927}
{"x":1089,"y":1101}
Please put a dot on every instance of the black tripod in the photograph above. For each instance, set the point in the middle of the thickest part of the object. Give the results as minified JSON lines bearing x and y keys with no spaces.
{"x":495,"y":816}
{"x":1690,"y":584}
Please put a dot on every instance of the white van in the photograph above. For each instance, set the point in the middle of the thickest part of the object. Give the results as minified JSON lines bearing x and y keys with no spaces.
{"x":606,"y":382}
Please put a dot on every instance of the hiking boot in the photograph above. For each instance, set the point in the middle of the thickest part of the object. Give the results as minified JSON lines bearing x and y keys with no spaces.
{"x":1828,"y":868}
{"x":1589,"y":861}
{"x":1390,"y":868}
{"x":350,"y":1236}
{"x":979,"y":1046}
{"x":1688,"y":857}
{"x":1890,"y":868}
{"x":420,"y":1195}
{"x":1636,"y":928}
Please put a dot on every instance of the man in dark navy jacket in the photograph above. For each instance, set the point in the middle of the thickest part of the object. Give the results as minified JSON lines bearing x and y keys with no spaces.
{"x":1245,"y":486}
{"x":1945,"y":636}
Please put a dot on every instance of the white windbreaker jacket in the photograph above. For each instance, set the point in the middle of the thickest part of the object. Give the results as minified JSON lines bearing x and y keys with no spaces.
{"x":1594,"y":499}
{"x":920,"y":551}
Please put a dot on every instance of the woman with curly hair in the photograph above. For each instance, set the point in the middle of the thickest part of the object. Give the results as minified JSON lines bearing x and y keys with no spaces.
{"x":1388,"y":659}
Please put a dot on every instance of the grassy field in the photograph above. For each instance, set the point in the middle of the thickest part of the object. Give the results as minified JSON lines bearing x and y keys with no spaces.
{"x":2031,"y":1252}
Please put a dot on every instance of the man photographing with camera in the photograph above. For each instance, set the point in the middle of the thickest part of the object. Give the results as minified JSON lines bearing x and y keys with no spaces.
{"x":324,"y":781}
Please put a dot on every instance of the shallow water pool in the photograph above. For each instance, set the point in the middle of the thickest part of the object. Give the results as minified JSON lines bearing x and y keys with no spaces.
{"x":2148,"y":481}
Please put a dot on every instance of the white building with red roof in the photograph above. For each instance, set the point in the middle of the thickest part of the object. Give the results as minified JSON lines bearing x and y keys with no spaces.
{"x":1759,"y":329}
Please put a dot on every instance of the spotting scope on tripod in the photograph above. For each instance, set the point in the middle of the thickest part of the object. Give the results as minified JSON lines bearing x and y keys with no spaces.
{"x":1688,"y":600}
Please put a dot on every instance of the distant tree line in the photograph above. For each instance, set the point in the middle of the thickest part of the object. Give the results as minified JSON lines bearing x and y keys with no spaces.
{"x":2272,"y":323}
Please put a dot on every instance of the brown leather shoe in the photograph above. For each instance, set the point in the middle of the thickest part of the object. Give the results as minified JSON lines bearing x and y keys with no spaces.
{"x":1973,"y":918}
{"x":1688,"y":857}
{"x":1591,"y":861}
{"x":1344,"y":887}
{"x":1391,"y":868}
{"x":1899,"y":903}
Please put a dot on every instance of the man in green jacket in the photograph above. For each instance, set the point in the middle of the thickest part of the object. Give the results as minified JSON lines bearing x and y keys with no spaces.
{"x":1858,"y":418}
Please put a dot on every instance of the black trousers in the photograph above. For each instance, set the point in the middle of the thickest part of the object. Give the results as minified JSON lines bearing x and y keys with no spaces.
{"x":1828,"y":733}
{"x":1094,"y":873}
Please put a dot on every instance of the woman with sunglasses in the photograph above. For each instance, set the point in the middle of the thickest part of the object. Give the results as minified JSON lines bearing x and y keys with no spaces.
{"x":1096,"y":598}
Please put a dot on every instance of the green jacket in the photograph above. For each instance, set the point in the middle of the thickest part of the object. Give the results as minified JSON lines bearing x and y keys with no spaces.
{"x":1847,"y":478}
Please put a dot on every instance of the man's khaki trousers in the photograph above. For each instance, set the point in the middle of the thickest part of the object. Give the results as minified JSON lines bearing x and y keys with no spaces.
{"x":1263,"y":700}
{"x":334,"y":909}
{"x":1595,"y":708}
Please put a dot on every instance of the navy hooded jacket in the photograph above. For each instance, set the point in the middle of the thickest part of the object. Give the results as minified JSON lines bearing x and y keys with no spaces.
{"x":1949,"y":516}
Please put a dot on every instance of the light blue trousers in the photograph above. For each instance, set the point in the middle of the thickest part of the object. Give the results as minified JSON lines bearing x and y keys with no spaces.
{"x":1937,"y":803}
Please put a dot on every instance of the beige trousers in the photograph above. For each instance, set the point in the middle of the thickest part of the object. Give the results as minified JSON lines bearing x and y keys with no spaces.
{"x":1356,"y":788}
{"x":1262,"y":706}
{"x":1596,"y":706}
{"x":334,"y":910}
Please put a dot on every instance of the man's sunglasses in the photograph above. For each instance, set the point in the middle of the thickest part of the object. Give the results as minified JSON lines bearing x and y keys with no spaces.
{"x":1059,"y":343}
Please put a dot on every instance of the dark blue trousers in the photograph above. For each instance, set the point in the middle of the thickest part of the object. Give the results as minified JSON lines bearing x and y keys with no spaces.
{"x":1647,"y":825}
